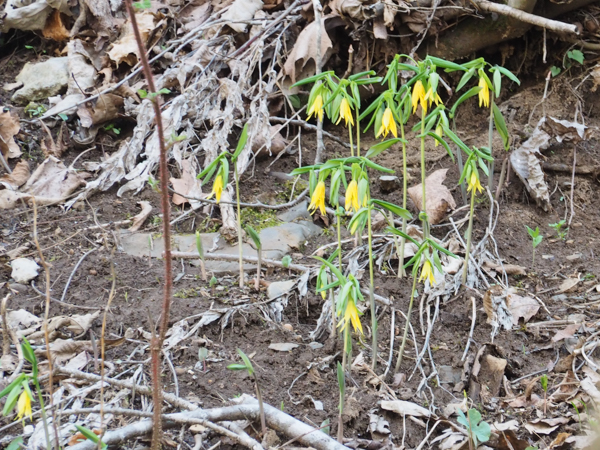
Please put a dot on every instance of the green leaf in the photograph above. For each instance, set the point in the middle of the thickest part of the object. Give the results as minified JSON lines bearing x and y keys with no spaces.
{"x":358,"y":221}
{"x":64,"y":117}
{"x":208,"y":170}
{"x":544,"y":382}
{"x":202,"y":354}
{"x":310,"y":79}
{"x":15,"y":444}
{"x":241,"y":143}
{"x":246,"y":361}
{"x":236,"y":367}
{"x":397,"y":232}
{"x":255,"y":237}
{"x":90,"y":435}
{"x":334,"y":188}
{"x":395,"y":209}
{"x":142,"y":93}
{"x":465,"y":78}
{"x":325,"y":428}
{"x":29,"y":355}
{"x":470,"y":93}
{"x":11,"y":400}
{"x":478,"y":429}
{"x":12,"y":385}
{"x":358,"y":75}
{"x":447,"y":65}
{"x":374,"y":166}
{"x":443,"y":142}
{"x":286,"y":261}
{"x":338,"y":274}
{"x":381,"y":146}
{"x":555,"y":70}
{"x":501,"y":126}
{"x":509,"y":74}
{"x":448,"y":132}
{"x":576,"y":55}
{"x":164,"y":91}
{"x":497,"y":82}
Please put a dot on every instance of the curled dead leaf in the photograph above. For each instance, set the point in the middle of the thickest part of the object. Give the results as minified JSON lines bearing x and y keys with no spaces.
{"x":140,"y":218}
{"x":18,"y":177}
{"x":438,"y":198}
{"x":9,"y":127}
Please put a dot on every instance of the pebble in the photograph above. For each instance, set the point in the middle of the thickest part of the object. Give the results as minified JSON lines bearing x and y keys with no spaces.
{"x":287,"y":327}
{"x":575,"y":257}
{"x":93,"y":272}
{"x":547,"y":256}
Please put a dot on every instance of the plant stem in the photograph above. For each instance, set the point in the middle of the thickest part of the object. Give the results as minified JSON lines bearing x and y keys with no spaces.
{"x":166,"y":211}
{"x":357,"y":134}
{"x":43,"y":411}
{"x":490,"y":139}
{"x":533,"y":257}
{"x":350,"y":136}
{"x":459,"y":159}
{"x":257,"y":283}
{"x":339,"y":239}
{"x":469,"y":235}
{"x":423,"y":174}
{"x":239,"y":224}
{"x":340,"y":431}
{"x":372,"y":289}
{"x":410,"y":307}
{"x":401,"y":271}
{"x":263,"y":423}
{"x":346,"y":346}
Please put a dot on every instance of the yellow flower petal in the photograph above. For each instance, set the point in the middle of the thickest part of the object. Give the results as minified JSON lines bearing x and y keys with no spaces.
{"x":316,"y":108}
{"x":351,"y":316}
{"x":24,"y":406}
{"x":474,"y":183}
{"x":345,"y":112}
{"x":388,"y":124}
{"x":427,"y":272}
{"x":352,"y":196}
{"x":484,"y":93}
{"x":318,"y":199}
{"x":418,"y":96}
{"x":217,"y":189}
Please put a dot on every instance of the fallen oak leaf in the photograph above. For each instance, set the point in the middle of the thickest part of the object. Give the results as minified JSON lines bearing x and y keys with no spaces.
{"x":18,"y":177}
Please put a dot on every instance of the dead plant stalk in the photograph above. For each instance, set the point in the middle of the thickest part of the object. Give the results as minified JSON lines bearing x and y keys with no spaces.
{"x":167,"y":283}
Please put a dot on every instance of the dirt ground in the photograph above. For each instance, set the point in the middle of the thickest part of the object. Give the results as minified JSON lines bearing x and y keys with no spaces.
{"x":292,"y":380}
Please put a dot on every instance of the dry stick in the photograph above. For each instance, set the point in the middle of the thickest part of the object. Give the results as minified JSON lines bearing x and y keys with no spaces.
{"x":251,"y":259}
{"x":318,"y":64}
{"x":111,"y":296}
{"x":503,"y":172}
{"x":167,"y":287}
{"x":473,"y":320}
{"x":45,"y":329}
{"x":505,"y":10}
{"x":7,"y":332}
{"x":573,"y":184}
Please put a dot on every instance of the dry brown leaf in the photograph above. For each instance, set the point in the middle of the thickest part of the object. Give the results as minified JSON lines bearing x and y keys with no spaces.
{"x":439,"y":200}
{"x":568,"y":332}
{"x":545,"y":426}
{"x":55,"y":28}
{"x":52,"y":180}
{"x":194,"y":15}
{"x":305,"y":51}
{"x":497,"y":307}
{"x":509,"y":269}
{"x":567,"y":285}
{"x":78,"y":437}
{"x":9,"y":127}
{"x":139,"y":219}
{"x":104,"y":109}
{"x":18,"y":177}
{"x":241,"y":10}
{"x":559,"y":441}
{"x":522,"y":307}
{"x":184,"y":184}
{"x":126,"y":49}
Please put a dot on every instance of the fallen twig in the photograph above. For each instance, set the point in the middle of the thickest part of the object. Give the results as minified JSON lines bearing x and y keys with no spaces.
{"x":250,"y":259}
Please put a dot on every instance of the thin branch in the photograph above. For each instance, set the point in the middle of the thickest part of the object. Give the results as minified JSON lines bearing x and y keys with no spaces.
{"x":505,"y":10}
{"x":250,"y":259}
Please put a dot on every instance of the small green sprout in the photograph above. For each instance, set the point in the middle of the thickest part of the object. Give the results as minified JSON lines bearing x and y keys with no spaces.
{"x":248,"y":367}
{"x":544,"y":383}
{"x":478,"y":430}
{"x":536,"y":239}
{"x":558,"y":227}
{"x":212,"y":283}
{"x":202,"y":355}
{"x":286,"y":261}
{"x":257,"y":243}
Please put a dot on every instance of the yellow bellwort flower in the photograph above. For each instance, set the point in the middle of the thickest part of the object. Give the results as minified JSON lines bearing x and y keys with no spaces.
{"x":418,"y":96}
{"x":474,"y":183}
{"x":427,"y":272}
{"x":484,"y":93}
{"x":345,"y":113}
{"x":351,"y":315}
{"x":217,"y":188}
{"x":24,"y":406}
{"x":352,"y":196}
{"x":432,"y":97}
{"x":316,"y":108}
{"x":318,"y":199}
{"x":388,"y":124}
{"x":440,"y":132}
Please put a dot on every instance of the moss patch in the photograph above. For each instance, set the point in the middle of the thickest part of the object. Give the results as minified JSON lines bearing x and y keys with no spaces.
{"x":259,"y":219}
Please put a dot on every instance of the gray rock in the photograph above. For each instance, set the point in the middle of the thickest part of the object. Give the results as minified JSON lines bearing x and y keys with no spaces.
{"x":388,"y":183}
{"x":42,"y":80}
{"x":278,"y":288}
{"x":283,"y":346}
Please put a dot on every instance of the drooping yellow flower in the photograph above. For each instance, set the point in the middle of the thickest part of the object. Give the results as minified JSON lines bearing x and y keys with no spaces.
{"x":345,"y":113}
{"x":484,"y":93}
{"x":388,"y":124}
{"x":352,"y":196}
{"x":24,"y":406}
{"x":440,"y":132}
{"x":474,"y":183}
{"x":316,"y":108}
{"x":318,"y":199}
{"x":418,"y":96}
{"x":432,"y":97}
{"x":351,"y":315}
{"x":217,"y":188}
{"x":427,"y":272}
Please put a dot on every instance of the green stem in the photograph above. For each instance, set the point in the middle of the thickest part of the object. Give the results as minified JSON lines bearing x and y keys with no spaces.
{"x":357,"y":134}
{"x":263,"y":423}
{"x":339,"y":239}
{"x":469,"y":236}
{"x":350,"y":135}
{"x":401,"y":271}
{"x":463,"y":188}
{"x":43,"y":411}
{"x":239,"y":224}
{"x":423,"y":174}
{"x":410,"y":307}
{"x":490,"y":139}
{"x":372,"y":289}
{"x":347,"y":348}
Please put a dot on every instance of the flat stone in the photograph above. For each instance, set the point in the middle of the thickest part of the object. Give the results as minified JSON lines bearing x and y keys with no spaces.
{"x":42,"y":80}
{"x":300,"y":211}
{"x":389,"y":183}
{"x":575,"y":257}
{"x":24,"y":270}
{"x":559,"y":298}
{"x":279,"y":288}
{"x":549,"y":257}
{"x":449,"y":374}
{"x":283,"y":346}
